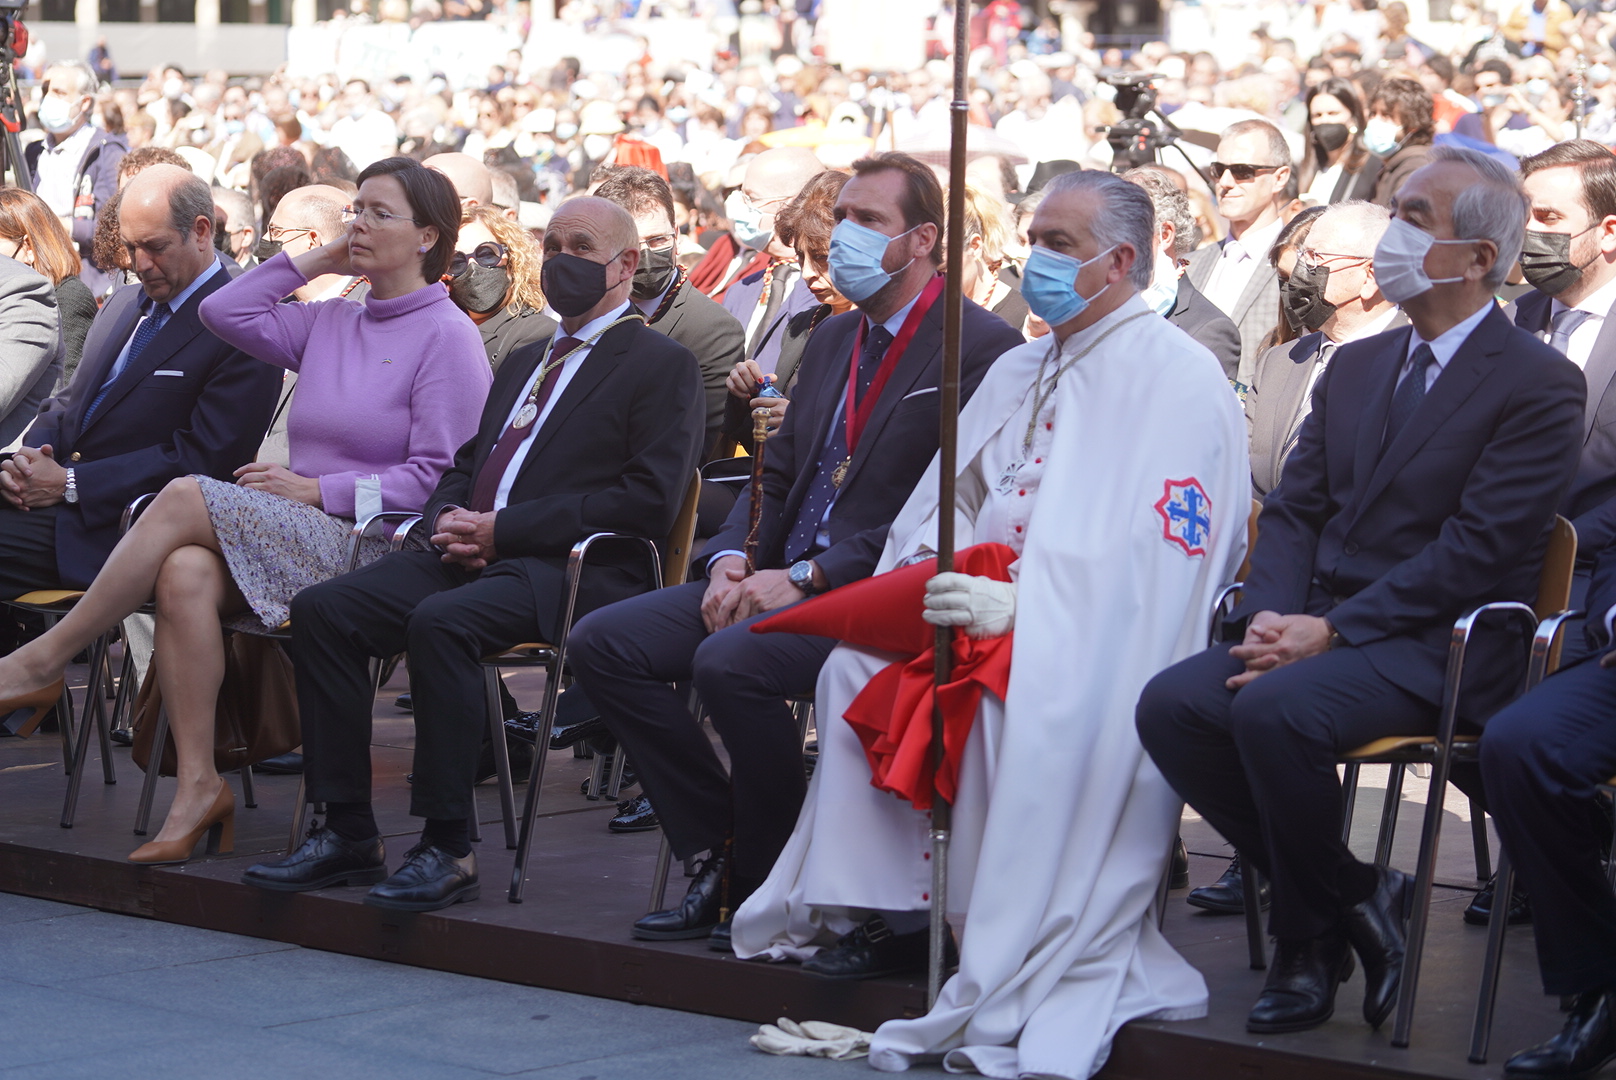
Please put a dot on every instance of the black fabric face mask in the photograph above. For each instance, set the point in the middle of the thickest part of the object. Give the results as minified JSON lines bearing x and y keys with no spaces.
{"x":651,"y":277}
{"x":266,"y":249}
{"x":573,"y":284}
{"x":1546,"y":261}
{"x":1331,"y":137}
{"x":481,"y":288}
{"x":1302,"y":298}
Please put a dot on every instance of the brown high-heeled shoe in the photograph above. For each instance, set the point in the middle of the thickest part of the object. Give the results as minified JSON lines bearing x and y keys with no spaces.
{"x":41,"y":701}
{"x":219,"y":823}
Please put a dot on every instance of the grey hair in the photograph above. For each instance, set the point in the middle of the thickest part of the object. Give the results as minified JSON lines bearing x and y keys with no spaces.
{"x":1279,"y":151}
{"x":1495,"y":208}
{"x":87,"y":79}
{"x":1364,"y":221}
{"x":238,"y":210}
{"x":1124,"y":216}
{"x":507,"y":193}
{"x":190,"y":199}
{"x":1170,"y":204}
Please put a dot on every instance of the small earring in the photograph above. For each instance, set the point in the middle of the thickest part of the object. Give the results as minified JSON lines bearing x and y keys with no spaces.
{"x":424,"y":249}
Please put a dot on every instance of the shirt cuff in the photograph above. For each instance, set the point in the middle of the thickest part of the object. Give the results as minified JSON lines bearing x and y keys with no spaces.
{"x":730,"y":551}
{"x":1610,"y":616}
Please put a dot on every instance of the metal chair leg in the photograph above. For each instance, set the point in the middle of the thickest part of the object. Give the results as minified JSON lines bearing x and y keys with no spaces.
{"x":64,"y":724}
{"x":248,"y":797}
{"x":124,"y":702}
{"x":300,"y":808}
{"x":1349,"y":799}
{"x":597,"y":776}
{"x":1388,"y":815}
{"x":149,"y":787}
{"x":1478,"y":840}
{"x":614,"y":786}
{"x":502,"y":754}
{"x":1256,"y":941}
{"x":659,"y":880}
{"x":1424,"y":878}
{"x":1481,"y":1032}
{"x":94,"y":717}
{"x":535,"y":780}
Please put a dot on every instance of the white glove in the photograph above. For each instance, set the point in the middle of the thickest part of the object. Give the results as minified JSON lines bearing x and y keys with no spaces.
{"x":984,"y":607}
{"x":812,"y":1038}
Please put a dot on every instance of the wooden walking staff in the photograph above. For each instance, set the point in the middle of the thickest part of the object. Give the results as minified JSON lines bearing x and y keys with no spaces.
{"x":947,"y":440}
{"x":760,"y":435}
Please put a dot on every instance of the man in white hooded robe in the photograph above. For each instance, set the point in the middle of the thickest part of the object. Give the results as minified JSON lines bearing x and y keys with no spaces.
{"x":1111,"y":458}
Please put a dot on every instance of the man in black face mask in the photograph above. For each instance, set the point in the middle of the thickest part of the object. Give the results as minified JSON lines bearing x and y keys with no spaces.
{"x":663,"y":294}
{"x":1569,"y":258}
{"x":1330,"y":299}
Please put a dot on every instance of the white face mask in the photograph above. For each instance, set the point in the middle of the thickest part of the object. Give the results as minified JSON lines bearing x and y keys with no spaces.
{"x":56,"y":114}
{"x":1400,"y":262}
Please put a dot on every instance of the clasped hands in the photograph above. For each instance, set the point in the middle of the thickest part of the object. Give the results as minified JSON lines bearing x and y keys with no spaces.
{"x":465,"y":537}
{"x":33,"y":478}
{"x":279,"y":480}
{"x":1274,"y":640}
{"x":732,"y":595}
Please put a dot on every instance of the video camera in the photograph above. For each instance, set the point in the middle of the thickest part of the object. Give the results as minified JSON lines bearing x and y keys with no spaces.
{"x":1136,"y":138}
{"x":13,"y":45}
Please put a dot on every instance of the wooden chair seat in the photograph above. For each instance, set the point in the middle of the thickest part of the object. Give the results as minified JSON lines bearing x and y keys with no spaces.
{"x":48,"y":598}
{"x":528,"y":652}
{"x":1396,"y":748}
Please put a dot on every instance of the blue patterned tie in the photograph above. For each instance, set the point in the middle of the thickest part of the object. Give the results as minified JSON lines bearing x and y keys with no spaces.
{"x":1410,"y":392}
{"x":805,"y":531}
{"x":143,"y":334}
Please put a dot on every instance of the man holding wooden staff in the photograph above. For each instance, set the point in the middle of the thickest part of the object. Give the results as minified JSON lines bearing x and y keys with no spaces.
{"x":862,"y":425}
{"x":1107,"y":465}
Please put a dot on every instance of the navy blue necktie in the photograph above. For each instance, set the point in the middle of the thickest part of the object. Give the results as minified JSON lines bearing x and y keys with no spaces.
{"x":143,"y":335}
{"x":805,"y":531}
{"x":1410,"y":392}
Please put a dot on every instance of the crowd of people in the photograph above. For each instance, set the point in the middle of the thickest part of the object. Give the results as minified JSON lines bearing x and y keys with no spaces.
{"x":1375,"y":298}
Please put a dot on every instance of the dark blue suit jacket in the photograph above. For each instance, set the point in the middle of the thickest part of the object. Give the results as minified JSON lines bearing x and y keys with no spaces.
{"x":1589,"y":502}
{"x":896,"y":446}
{"x":188,"y":403}
{"x":1457,"y":511}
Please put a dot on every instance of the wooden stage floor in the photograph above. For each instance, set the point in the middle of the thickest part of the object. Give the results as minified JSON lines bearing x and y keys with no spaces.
{"x":586,"y":886}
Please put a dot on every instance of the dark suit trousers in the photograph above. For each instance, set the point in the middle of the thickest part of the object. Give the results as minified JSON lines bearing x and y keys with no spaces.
{"x":447,"y":619}
{"x":625,"y":655}
{"x":1541,"y":758}
{"x":1259,"y":765}
{"x":27,"y":551}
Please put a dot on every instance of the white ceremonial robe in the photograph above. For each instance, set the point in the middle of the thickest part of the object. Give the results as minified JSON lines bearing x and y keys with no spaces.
{"x":1063,"y":824}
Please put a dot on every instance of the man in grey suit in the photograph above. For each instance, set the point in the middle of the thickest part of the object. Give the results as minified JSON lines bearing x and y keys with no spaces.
{"x":1252,"y":172}
{"x":1337,"y":299}
{"x":1172,"y":296}
{"x":31,"y":348}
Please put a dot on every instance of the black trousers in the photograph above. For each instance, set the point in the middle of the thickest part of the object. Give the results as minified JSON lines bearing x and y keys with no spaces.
{"x":625,"y":655}
{"x":448,"y":619}
{"x":1541,"y":759}
{"x":1259,"y":765}
{"x":27,"y":551}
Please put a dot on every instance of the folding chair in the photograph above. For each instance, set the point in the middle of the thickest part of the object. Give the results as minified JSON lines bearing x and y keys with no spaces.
{"x":553,"y":658}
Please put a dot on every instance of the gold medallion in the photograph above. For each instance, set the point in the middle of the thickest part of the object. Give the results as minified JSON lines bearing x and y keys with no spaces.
{"x":838,"y":474}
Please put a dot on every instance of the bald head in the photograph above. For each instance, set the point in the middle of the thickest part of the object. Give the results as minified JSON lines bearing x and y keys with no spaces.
{"x":600,"y":232}
{"x":471,"y":179}
{"x":317,"y":207}
{"x":165,"y":218}
{"x":780,"y":173}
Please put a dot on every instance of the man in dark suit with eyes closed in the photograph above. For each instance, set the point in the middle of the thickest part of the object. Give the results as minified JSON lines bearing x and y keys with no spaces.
{"x":830,"y":492}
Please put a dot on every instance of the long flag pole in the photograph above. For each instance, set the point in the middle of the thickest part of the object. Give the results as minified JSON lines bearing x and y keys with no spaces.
{"x":947,"y":439}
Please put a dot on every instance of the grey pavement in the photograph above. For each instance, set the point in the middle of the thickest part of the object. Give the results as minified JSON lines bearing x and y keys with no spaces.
{"x":92,"y":994}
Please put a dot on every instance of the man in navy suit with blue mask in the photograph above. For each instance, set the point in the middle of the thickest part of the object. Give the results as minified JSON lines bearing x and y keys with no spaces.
{"x":1424,"y":482}
{"x":155,"y":397}
{"x":836,"y":472}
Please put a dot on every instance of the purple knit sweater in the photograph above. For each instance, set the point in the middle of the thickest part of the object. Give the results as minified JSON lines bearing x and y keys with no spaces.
{"x":387,"y":387}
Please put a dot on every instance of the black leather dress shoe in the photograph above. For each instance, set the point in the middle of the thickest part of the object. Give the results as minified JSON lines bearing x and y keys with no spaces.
{"x":122,"y":736}
{"x":324,"y":859}
{"x":719,"y":940}
{"x":635,"y":815}
{"x":521,"y":755}
{"x":1180,"y":878}
{"x":1584,"y":1046}
{"x":405,"y":702}
{"x":698,"y":912}
{"x":281,"y":765}
{"x":430,"y":879}
{"x":1226,"y":896}
{"x":1480,"y":910}
{"x":872,"y":950}
{"x":1302,"y":979}
{"x":1377,"y":929}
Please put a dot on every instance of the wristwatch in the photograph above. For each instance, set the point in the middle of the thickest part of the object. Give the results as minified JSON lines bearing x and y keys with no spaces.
{"x":801,"y":574}
{"x":71,"y":492}
{"x":1336,"y":640}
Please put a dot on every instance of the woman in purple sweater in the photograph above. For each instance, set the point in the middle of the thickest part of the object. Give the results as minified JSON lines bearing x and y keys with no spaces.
{"x":387,"y":391}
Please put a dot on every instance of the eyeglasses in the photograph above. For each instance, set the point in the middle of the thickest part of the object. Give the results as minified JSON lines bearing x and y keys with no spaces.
{"x":372,"y":217}
{"x":1320,"y":258}
{"x":488,"y":255}
{"x":278,"y":234}
{"x":1243,"y":174}
{"x":657,"y":243}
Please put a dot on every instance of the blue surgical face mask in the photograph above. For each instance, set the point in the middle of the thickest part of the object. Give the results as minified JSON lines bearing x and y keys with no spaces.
{"x":746,"y":222}
{"x":856,"y":252}
{"x":1162,"y":294}
{"x":1049,"y":285}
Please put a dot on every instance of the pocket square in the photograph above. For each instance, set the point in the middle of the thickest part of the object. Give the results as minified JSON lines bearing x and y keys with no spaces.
{"x":166,"y":372}
{"x":917,"y":393}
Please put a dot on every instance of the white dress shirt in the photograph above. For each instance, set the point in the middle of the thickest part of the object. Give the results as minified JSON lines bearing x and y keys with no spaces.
{"x":174,"y":305}
{"x":1323,"y":185}
{"x":1237,"y":261}
{"x":56,"y":168}
{"x":1445,"y":345}
{"x":568,"y":369}
{"x":1597,"y":304}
